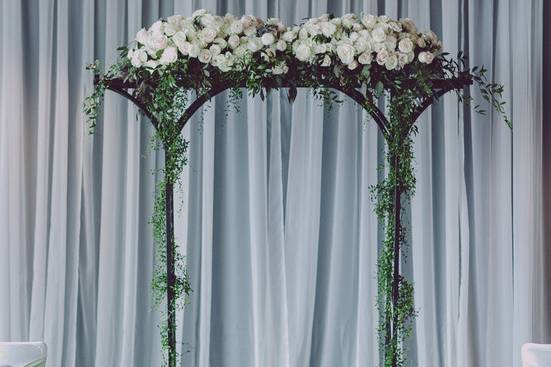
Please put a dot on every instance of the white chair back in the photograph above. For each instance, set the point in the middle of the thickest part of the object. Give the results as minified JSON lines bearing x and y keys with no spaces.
{"x":22,"y":354}
{"x":536,"y":355}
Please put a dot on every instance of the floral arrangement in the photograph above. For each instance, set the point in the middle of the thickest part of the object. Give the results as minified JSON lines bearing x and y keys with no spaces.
{"x":366,"y":57}
{"x":226,"y":42}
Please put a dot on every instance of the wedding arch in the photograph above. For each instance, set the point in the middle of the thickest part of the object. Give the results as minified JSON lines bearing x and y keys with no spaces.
{"x":389,"y":68}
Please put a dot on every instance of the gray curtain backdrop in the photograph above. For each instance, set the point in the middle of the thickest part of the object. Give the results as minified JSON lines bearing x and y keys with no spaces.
{"x":274,"y":216}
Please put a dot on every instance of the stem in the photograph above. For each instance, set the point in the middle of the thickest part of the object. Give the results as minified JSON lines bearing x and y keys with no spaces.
{"x":171,"y":277}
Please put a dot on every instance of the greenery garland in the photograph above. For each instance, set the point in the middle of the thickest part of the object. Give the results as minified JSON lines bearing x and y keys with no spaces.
{"x":162,"y":80}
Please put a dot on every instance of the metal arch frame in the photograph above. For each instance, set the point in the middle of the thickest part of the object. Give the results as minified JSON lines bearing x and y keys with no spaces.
{"x":366,"y":101}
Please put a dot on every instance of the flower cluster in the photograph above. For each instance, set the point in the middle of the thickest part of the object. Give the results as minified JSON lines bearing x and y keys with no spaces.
{"x":225,"y":42}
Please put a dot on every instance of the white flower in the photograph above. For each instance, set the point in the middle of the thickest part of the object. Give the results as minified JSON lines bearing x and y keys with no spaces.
{"x":353,"y":65}
{"x":138,"y":57}
{"x":354,"y":36}
{"x":382,"y":56}
{"x":365,"y":58}
{"x":403,"y":59}
{"x":142,"y":36}
{"x":169,"y":56}
{"x":426,"y":57}
{"x":345,"y":53}
{"x":194,"y":50}
{"x":289,"y":36}
{"x":198,"y":13}
{"x":405,"y":45}
{"x":156,"y":42}
{"x":408,"y":25}
{"x":281,"y":45}
{"x":234,"y":41}
{"x":328,"y":29}
{"x":395,"y":26}
{"x":303,"y":34}
{"x":303,"y":52}
{"x":369,"y":20}
{"x":215,"y":50}
{"x":204,"y":56}
{"x":157,"y":27}
{"x":179,"y":38}
{"x":151,"y":64}
{"x":170,"y":29}
{"x":250,"y":31}
{"x":390,"y":43}
{"x":378,"y":34}
{"x":326,"y":61}
{"x":254,"y":44}
{"x":280,"y":68}
{"x":267,"y":39}
{"x":391,"y":62}
{"x":224,"y":62}
{"x":247,"y":21}
{"x":320,"y":48}
{"x":348,"y":20}
{"x":207,"y":35}
{"x":236,"y":27}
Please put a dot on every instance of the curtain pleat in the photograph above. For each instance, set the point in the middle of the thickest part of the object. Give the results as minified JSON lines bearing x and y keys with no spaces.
{"x":273,"y":212}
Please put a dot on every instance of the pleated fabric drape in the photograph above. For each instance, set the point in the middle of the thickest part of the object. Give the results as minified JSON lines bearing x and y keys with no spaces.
{"x":274,"y":212}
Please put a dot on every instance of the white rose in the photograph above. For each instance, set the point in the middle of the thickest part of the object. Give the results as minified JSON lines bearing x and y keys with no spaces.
{"x":250,"y":31}
{"x":280,"y":68}
{"x":236,"y":27}
{"x":303,"y":52}
{"x":198,"y":13}
{"x":221,"y":43}
{"x":378,"y":34}
{"x":204,"y":56}
{"x":142,"y":36}
{"x":353,"y":65}
{"x":421,"y":42}
{"x":254,"y":44}
{"x":288,"y":36}
{"x":369,"y":20}
{"x":247,"y":21}
{"x":179,"y":38}
{"x":207,"y":35}
{"x":362,"y":45}
{"x":354,"y":36}
{"x":348,"y":20}
{"x":267,"y":39}
{"x":390,"y":43}
{"x":138,"y":58}
{"x":175,"y":19}
{"x":365,"y":58}
{"x":320,"y":48}
{"x":391,"y":62}
{"x":405,"y":45}
{"x":157,"y":27}
{"x":156,"y":42}
{"x":169,"y":56}
{"x":170,"y":29}
{"x":345,"y":53}
{"x":194,"y":50}
{"x":395,"y":26}
{"x":426,"y":57}
{"x":382,"y":56}
{"x":403,"y":59}
{"x":326,"y":61}
{"x":215,"y":50}
{"x":408,"y":25}
{"x":240,"y":50}
{"x":303,"y":34}
{"x":281,"y":45}
{"x":151,"y":64}
{"x":328,"y":29}
{"x":234,"y":41}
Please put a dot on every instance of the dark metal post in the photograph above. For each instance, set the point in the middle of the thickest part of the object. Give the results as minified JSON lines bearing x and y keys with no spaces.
{"x":170,"y":275}
{"x":396,"y":252}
